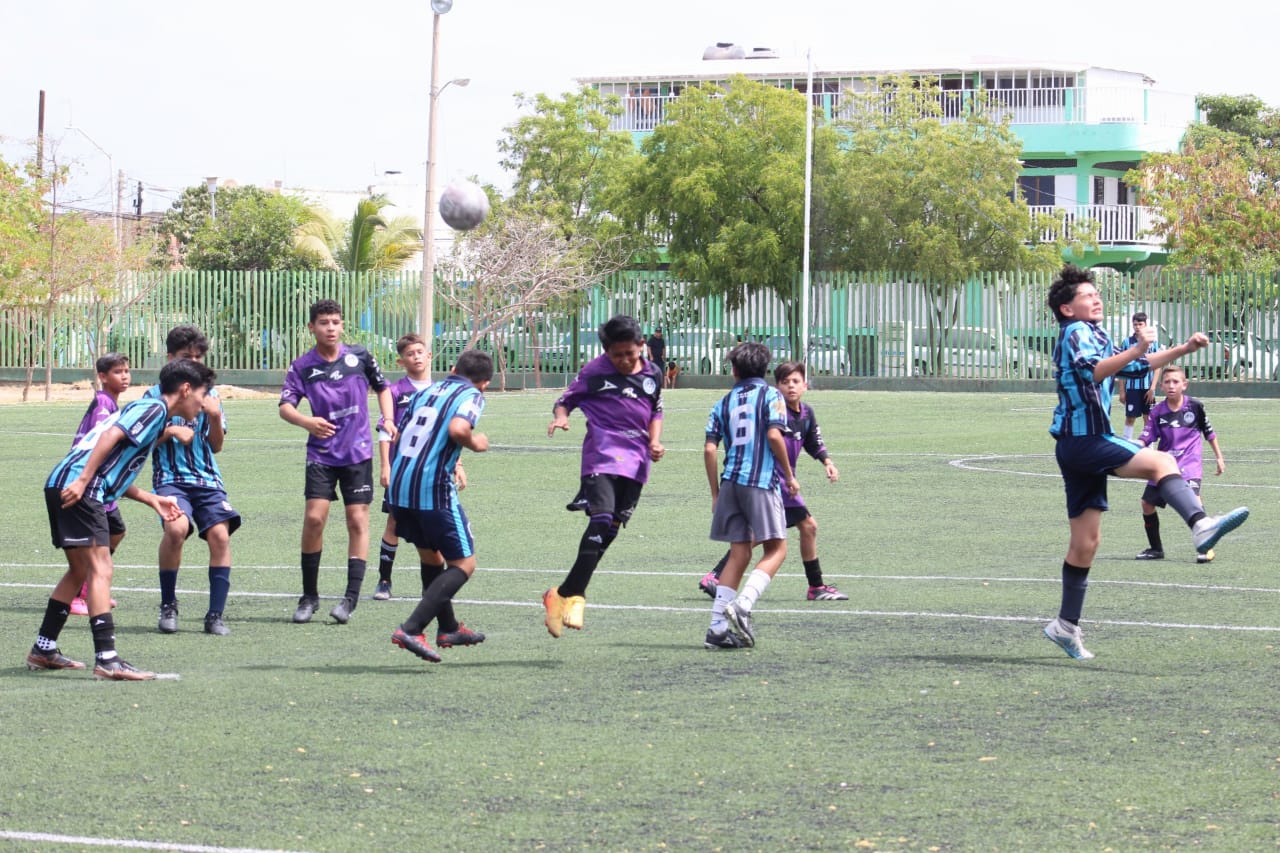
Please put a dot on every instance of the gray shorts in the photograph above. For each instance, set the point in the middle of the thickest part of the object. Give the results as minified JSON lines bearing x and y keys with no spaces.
{"x":747,"y":514}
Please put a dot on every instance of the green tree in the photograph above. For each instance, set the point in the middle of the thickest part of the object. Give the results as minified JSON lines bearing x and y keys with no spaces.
{"x":252,"y":230}
{"x":1218,"y":199}
{"x":565,"y":160}
{"x":371,"y":242}
{"x":724,"y":178}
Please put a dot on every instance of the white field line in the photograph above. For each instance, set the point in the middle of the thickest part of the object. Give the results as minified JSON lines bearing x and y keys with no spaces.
{"x":975,"y":463}
{"x":822,"y":612}
{"x":124,"y":843}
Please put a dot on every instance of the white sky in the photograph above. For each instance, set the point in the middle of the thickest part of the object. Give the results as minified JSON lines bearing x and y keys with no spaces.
{"x":329,"y":95}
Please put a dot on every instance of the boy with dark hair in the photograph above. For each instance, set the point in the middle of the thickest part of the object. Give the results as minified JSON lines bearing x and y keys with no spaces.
{"x":100,"y":469}
{"x":183,"y":467}
{"x":1088,"y":452}
{"x":1137,"y":393}
{"x":335,"y":379}
{"x":746,"y":502}
{"x":413,"y":355}
{"x":802,"y":433}
{"x":114,"y":377}
{"x":620,"y":393}
{"x":1179,"y":426}
{"x":438,"y":422}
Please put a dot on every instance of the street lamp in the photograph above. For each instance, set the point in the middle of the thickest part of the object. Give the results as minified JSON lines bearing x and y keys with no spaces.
{"x":212,"y":184}
{"x":427,"y":307}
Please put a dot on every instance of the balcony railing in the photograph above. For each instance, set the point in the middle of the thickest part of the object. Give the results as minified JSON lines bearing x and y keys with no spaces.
{"x":1118,"y":224}
{"x":1075,"y":105}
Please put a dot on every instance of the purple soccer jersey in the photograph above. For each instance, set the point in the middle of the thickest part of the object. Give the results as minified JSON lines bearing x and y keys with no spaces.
{"x":402,"y":391}
{"x":619,"y":410}
{"x":100,"y":408}
{"x":802,"y":433}
{"x":1180,"y":434}
{"x":337,"y":391}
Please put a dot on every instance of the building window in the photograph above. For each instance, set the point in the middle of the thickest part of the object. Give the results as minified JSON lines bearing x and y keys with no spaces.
{"x":1037,"y":190}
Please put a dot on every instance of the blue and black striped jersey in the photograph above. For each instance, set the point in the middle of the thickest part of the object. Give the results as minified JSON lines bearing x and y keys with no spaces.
{"x":424,"y":456}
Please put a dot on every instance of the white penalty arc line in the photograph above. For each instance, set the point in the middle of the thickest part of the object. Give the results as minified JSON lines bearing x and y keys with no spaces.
{"x":127,"y":843}
{"x":967,"y":463}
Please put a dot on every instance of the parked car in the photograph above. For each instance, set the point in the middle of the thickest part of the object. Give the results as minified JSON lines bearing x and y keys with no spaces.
{"x":447,"y":346}
{"x":700,"y":350}
{"x":825,"y":356}
{"x":975,"y":351}
{"x":558,"y":356}
{"x":1242,"y":355}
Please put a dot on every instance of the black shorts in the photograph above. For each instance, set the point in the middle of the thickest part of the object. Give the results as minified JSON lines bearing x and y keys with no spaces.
{"x":611,"y":494}
{"x":203,"y":508}
{"x":1136,"y":406}
{"x":795,"y":514}
{"x":356,"y":482}
{"x":443,"y":530}
{"x":115,"y":521}
{"x":80,"y":525}
{"x":1085,"y":462}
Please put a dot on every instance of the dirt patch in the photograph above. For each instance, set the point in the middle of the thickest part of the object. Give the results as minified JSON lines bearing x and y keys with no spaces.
{"x":11,"y":392}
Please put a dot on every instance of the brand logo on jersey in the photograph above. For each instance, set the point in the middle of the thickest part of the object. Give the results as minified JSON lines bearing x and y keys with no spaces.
{"x":335,"y":375}
{"x":629,"y":392}
{"x":608,"y":386}
{"x":315,"y":371}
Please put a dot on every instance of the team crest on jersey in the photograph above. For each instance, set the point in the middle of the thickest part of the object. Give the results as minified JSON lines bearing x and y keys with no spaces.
{"x":649,"y":385}
{"x":350,"y":360}
{"x":1188,"y":418}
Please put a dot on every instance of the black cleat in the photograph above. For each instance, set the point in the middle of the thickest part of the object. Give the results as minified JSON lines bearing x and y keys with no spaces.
{"x":416,"y":644}
{"x":307,"y":606}
{"x":1150,"y":554}
{"x":213,"y":624}
{"x":464,"y":636}
{"x":168,"y":623}
{"x":341,"y":612}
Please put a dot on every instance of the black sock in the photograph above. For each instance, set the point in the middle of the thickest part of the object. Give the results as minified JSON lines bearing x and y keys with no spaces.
{"x":55,"y":617}
{"x":311,"y":574}
{"x":355,"y":577}
{"x":719,"y":569}
{"x":1152,"y":525}
{"x":813,"y":571}
{"x":104,"y":636}
{"x":386,"y":559}
{"x":440,"y":592}
{"x":445,"y":620}
{"x":590,"y":550}
{"x":1075,"y":582}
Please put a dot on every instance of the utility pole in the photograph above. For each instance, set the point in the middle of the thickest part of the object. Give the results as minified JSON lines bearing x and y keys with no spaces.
{"x":119,"y":210}
{"x":40,"y":137}
{"x":137,"y":211}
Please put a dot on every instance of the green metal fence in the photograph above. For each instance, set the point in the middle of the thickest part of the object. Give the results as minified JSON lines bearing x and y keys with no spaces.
{"x":994,"y":326}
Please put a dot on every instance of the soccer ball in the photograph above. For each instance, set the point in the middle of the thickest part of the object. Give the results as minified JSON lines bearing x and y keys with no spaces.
{"x":463,"y":205}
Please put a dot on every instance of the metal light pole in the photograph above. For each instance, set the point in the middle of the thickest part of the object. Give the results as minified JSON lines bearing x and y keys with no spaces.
{"x":426,"y":312}
{"x":212,"y":184}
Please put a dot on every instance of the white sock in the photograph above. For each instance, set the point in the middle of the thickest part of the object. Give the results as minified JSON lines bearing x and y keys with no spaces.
{"x":1128,"y":432}
{"x":724,"y":595}
{"x":755,"y":586}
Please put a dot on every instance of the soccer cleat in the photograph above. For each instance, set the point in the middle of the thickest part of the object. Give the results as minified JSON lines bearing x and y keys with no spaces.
{"x":120,"y":670}
{"x":415,"y":643}
{"x":168,"y":623}
{"x":79,"y":607}
{"x":721,"y":640}
{"x":1069,"y":638}
{"x":307,"y":606}
{"x":383,"y":591}
{"x":1208,"y":530}
{"x":1206,"y":557}
{"x":578,"y":504}
{"x":1150,"y":554}
{"x":52,"y":659}
{"x":826,"y":592}
{"x":464,"y":636}
{"x":554,"y":620}
{"x":574,"y":606}
{"x":341,"y":612}
{"x":740,"y":621}
{"x":213,"y":624}
{"x":708,"y":584}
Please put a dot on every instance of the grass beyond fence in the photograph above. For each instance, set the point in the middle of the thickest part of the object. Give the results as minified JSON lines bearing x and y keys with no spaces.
{"x":927,"y":713}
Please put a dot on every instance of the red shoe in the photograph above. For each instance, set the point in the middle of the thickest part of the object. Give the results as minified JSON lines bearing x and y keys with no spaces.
{"x":464,"y":636}
{"x":415,"y":644}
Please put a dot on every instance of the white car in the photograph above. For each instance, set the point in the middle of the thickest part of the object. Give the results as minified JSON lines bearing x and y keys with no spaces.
{"x":702,"y":351}
{"x":973,"y":351}
{"x":1244,"y":355}
{"x":825,"y":355}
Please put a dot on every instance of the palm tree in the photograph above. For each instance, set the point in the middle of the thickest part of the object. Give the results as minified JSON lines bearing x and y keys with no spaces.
{"x":372,"y":243}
